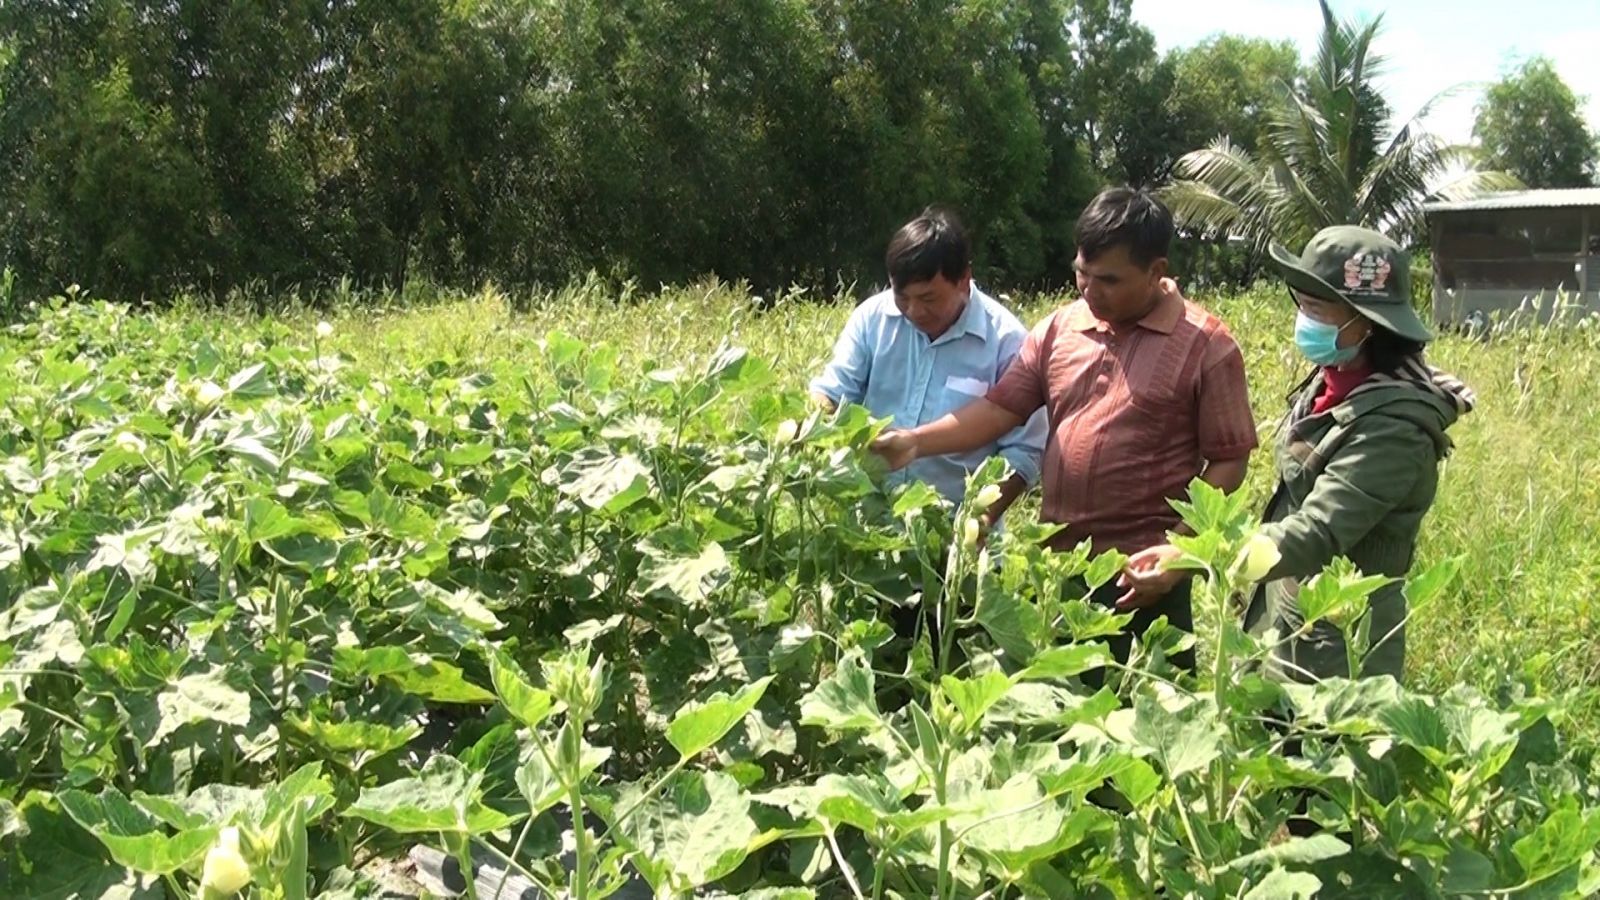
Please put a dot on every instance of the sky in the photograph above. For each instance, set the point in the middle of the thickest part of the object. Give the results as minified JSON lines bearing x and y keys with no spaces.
{"x":1431,"y":45}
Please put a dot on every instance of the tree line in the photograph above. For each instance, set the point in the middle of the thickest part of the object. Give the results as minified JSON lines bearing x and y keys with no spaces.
{"x":207,"y":145}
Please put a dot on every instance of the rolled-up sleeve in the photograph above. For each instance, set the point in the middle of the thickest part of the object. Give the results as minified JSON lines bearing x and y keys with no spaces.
{"x":844,"y":379}
{"x":1227,"y":426}
{"x":1020,"y":390}
{"x":1022,"y":447}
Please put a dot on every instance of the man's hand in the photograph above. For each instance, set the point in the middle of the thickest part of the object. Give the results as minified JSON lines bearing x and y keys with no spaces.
{"x":968,"y":428}
{"x":897,"y":447}
{"x":1147,"y":577}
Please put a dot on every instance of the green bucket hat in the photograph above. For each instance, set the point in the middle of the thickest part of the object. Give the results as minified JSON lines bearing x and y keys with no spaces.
{"x":1361,"y":267}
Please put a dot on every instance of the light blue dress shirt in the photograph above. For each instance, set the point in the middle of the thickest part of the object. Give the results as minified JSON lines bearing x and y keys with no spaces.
{"x":885,"y":363}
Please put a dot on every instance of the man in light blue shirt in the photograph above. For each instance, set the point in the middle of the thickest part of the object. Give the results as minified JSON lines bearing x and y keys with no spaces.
{"x":928,"y":346}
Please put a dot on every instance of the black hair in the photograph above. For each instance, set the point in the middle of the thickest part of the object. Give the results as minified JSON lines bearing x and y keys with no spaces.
{"x":1126,"y":217}
{"x":1387,"y":351}
{"x":934,"y":243}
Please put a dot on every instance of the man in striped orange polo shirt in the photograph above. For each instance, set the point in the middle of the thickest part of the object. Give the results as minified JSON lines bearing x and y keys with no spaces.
{"x":1144,"y":391}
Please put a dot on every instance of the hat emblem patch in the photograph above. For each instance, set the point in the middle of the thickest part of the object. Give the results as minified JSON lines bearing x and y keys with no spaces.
{"x":1366,"y":273}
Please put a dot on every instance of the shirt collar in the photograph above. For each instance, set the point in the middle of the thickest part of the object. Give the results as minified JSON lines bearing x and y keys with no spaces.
{"x":1166,"y":315}
{"x":974,"y":318}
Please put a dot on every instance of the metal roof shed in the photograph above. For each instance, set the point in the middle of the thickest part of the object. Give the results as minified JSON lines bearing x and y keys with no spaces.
{"x":1498,"y":251}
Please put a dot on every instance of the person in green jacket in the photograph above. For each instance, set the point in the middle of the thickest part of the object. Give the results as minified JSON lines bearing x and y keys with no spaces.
{"x":1357,"y":455}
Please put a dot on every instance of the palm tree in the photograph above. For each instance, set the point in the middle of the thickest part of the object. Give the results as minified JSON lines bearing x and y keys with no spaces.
{"x":1328,"y":158}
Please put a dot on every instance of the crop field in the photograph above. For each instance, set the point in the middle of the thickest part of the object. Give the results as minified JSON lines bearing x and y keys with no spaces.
{"x":286,"y":597}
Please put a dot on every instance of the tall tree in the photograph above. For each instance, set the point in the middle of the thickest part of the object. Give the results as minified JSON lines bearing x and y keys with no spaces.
{"x":1226,"y":86}
{"x":1529,"y":124}
{"x":1119,"y":88}
{"x":1331,"y":156}
{"x":1045,"y":52}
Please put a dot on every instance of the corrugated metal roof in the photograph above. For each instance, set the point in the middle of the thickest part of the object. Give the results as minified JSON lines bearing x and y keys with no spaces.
{"x":1521,"y":200}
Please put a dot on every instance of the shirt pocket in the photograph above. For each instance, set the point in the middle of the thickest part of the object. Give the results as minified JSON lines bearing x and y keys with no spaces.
{"x":955,"y":390}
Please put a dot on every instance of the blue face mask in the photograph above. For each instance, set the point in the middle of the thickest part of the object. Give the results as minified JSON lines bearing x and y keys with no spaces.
{"x":1319,"y":341}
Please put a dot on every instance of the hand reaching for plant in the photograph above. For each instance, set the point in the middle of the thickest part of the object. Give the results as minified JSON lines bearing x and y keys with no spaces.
{"x":1147,"y":576}
{"x":898,"y":448}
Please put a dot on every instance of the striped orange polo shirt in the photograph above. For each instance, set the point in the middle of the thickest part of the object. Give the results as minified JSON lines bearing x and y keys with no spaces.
{"x":1134,"y":414}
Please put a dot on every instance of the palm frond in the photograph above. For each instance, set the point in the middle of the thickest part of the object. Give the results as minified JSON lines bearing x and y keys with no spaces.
{"x":1224,"y":191}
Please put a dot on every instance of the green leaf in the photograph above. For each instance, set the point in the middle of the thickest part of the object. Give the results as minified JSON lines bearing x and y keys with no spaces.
{"x":465,"y":605}
{"x":1066,"y":662}
{"x":468,"y":454}
{"x":1415,"y":723}
{"x":542,"y":785}
{"x":1339,"y":594}
{"x":305,"y":790}
{"x":529,"y":704}
{"x":200,"y":698}
{"x":1349,"y":707}
{"x":441,"y":682}
{"x":562,"y":348}
{"x":1295,"y":850}
{"x":974,"y":697}
{"x":1084,"y":772}
{"x":1283,"y":884}
{"x":354,"y":736}
{"x":1012,"y":819}
{"x":111,"y":460}
{"x":918,"y":495}
{"x":928,"y":744}
{"x":55,"y":859}
{"x":305,"y":552}
{"x":696,"y":831}
{"x":610,"y":484}
{"x":860,"y":801}
{"x":404,"y":474}
{"x":1103,"y":568}
{"x":699,"y":726}
{"x":1184,"y":740}
{"x":590,"y":630}
{"x":1565,"y":838}
{"x":1478,"y":730}
{"x":844,"y":701}
{"x":689,"y":578}
{"x":212,"y":804}
{"x":443,"y":797}
{"x":1426,"y":586}
{"x":292,"y":849}
{"x":1014,"y":624}
{"x":254,"y":451}
{"x":538,"y":781}
{"x":250,"y":381}
{"x":134,"y":839}
{"x":1466,"y":871}
{"x":373,"y":662}
{"x":266,"y":520}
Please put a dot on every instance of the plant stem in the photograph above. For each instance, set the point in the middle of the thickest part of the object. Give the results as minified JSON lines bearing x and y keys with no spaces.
{"x":176,"y":888}
{"x":946,"y":839}
{"x":461,"y":848}
{"x":949,"y":595}
{"x":643,"y":798}
{"x":1188,"y":831}
{"x":849,"y":874}
{"x":511,"y":863}
{"x":1221,"y":589}
{"x":62,"y":717}
{"x":879,"y":867}
{"x":580,"y":829}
